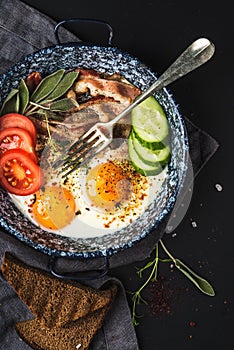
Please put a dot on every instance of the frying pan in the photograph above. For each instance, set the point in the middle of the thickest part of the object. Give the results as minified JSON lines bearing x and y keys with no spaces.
{"x":109,"y":59}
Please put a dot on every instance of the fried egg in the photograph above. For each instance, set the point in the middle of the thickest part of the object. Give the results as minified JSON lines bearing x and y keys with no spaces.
{"x":100,"y":198}
{"x":54,"y":207}
{"x":108,"y":186}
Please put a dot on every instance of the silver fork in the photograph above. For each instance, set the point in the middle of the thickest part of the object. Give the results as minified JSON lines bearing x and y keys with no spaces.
{"x":100,"y":135}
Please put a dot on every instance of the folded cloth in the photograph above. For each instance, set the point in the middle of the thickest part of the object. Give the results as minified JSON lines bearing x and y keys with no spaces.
{"x":17,"y":40}
{"x":24,"y":30}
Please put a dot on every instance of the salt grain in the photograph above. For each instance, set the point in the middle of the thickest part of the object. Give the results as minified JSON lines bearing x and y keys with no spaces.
{"x":194,"y":224}
{"x":218,"y":187}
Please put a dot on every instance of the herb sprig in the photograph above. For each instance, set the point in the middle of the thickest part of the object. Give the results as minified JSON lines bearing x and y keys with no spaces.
{"x":46,"y":96}
{"x":203,"y":285}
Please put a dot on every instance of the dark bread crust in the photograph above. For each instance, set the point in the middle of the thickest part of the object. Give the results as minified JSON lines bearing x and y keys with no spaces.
{"x":61,"y":322}
{"x":51,"y":299}
{"x":68,"y":337}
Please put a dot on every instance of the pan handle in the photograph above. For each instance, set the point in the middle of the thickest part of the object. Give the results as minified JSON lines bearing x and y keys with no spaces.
{"x":83,"y":20}
{"x":79,"y":275}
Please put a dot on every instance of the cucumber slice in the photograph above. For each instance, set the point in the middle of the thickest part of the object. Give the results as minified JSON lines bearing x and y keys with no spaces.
{"x":142,"y":167}
{"x":150,"y":124}
{"x":149,"y":156}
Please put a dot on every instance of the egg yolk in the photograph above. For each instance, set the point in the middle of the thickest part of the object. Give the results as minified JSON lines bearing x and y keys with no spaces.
{"x":54,"y":207}
{"x":108,"y":185}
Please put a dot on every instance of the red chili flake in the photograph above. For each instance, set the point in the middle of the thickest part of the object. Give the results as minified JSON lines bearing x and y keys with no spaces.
{"x":160,"y":300}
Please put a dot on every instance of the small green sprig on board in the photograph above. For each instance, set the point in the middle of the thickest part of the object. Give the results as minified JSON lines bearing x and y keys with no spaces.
{"x":197,"y":280}
{"x":137,"y":297}
{"x":47,"y":95}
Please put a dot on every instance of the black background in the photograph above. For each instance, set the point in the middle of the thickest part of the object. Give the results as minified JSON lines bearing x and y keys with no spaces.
{"x":157,"y":32}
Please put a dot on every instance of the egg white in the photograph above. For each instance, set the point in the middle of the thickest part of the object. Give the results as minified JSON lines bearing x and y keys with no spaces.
{"x":92,"y":221}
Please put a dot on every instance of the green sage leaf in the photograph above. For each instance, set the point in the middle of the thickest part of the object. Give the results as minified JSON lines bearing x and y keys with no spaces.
{"x":47,"y":86}
{"x":63,"y":86}
{"x":10,"y":102}
{"x":200,"y":282}
{"x":17,"y":103}
{"x":23,"y":96}
{"x":64,"y":105}
{"x":12,"y":105}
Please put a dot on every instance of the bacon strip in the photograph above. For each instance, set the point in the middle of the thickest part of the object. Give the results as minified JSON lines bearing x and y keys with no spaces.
{"x":111,"y":87}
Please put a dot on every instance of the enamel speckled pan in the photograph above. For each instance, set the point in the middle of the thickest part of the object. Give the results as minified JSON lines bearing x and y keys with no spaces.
{"x":110,"y":60}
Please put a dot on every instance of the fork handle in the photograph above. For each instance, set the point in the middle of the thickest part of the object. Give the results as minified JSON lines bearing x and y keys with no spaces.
{"x":199,"y":52}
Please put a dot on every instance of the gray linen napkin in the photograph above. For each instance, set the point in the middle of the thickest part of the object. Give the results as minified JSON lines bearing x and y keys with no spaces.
{"x":23,"y":30}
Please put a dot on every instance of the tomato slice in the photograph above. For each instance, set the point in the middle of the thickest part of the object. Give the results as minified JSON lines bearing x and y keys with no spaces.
{"x":11,"y":138}
{"x":19,"y":174}
{"x":15,"y":120}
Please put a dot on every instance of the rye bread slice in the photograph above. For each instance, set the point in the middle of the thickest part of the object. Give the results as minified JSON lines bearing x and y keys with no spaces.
{"x":54,"y":301}
{"x":74,"y":335}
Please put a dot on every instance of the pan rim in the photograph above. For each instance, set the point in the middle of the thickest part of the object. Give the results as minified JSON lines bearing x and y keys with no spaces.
{"x":110,"y":250}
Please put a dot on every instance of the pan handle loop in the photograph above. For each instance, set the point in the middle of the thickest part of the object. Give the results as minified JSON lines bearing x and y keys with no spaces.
{"x":83,"y":20}
{"x":79,"y":275}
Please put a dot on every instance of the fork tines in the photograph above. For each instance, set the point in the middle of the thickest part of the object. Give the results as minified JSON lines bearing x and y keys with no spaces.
{"x":79,"y":153}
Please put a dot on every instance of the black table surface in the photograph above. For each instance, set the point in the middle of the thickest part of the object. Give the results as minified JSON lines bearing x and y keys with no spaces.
{"x":156,"y":32}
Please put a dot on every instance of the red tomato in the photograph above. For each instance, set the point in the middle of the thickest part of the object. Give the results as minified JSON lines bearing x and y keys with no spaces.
{"x":15,"y":120}
{"x":11,"y":138}
{"x":19,"y":174}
